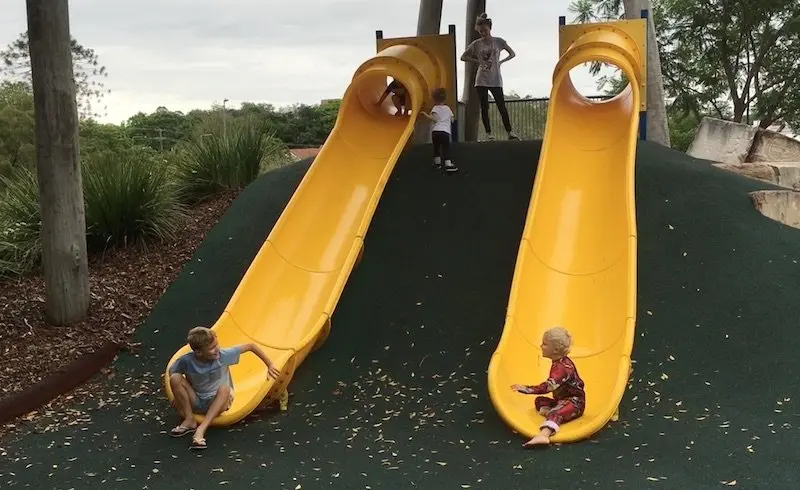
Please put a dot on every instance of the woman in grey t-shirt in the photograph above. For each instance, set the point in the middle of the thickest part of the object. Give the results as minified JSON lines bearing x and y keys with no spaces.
{"x":485,"y":51}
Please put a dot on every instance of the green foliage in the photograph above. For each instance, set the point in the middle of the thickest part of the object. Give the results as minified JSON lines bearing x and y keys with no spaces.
{"x":103,"y":140}
{"x":300,"y":124}
{"x":750,"y":52}
{"x":589,"y":11}
{"x":130,"y":198}
{"x":160,"y":130}
{"x":15,"y":65}
{"x":17,"y":127}
{"x":731,"y":59}
{"x":20,"y":223}
{"x":682,"y":128}
{"x":214,"y":162}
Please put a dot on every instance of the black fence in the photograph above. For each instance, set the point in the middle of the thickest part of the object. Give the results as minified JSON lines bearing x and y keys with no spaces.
{"x":528,"y":118}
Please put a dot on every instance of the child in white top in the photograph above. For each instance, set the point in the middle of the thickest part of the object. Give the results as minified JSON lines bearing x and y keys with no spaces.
{"x":442,"y":117}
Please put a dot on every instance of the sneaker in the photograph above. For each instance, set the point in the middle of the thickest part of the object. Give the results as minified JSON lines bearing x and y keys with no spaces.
{"x":437,"y":163}
{"x":490,"y":137}
{"x":513,"y":136}
{"x":450,"y":166}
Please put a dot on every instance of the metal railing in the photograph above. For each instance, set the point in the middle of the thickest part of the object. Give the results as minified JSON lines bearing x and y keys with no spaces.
{"x":528,"y":118}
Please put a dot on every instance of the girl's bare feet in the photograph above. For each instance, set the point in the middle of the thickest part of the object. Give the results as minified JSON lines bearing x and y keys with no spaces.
{"x":541,"y":439}
{"x":538,"y":440}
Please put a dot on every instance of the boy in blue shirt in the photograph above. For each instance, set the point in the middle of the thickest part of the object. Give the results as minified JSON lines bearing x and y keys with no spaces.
{"x":201,"y":381}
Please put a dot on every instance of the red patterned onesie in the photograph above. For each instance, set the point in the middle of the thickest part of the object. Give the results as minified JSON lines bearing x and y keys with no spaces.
{"x":569,"y":397}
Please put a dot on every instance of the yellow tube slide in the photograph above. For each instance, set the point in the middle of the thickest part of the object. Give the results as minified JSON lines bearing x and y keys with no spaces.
{"x":576,"y":265}
{"x":285,"y":299}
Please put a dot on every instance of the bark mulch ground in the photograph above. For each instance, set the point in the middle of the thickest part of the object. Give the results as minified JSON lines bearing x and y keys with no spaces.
{"x":125,"y":285}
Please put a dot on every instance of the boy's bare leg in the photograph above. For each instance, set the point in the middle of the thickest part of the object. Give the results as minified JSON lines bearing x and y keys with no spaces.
{"x":184,"y":397}
{"x":221,"y":402}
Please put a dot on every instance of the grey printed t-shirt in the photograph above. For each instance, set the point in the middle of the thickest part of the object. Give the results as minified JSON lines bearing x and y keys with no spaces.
{"x":207,"y":376}
{"x":488,"y":53}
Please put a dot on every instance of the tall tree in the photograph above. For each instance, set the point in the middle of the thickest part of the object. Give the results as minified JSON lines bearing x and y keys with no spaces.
{"x":750,"y":52}
{"x":64,"y":259}
{"x":161,"y":130}
{"x":429,"y":21}
{"x":472,"y":110}
{"x":15,"y":65}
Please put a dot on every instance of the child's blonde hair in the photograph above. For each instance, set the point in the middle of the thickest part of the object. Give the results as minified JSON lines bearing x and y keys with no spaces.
{"x":200,"y":337}
{"x":560,"y":338}
{"x":483,"y":20}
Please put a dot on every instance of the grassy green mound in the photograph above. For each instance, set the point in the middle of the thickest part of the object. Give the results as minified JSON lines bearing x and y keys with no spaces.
{"x":397,"y":396}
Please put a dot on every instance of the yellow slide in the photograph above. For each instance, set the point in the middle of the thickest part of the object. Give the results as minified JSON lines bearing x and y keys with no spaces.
{"x":576,"y":265}
{"x":286,"y":297}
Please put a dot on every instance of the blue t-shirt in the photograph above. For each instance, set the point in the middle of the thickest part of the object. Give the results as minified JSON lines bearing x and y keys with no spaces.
{"x":207,"y":376}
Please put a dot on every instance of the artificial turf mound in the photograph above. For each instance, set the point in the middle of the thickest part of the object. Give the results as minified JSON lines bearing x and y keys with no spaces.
{"x":396,"y":398}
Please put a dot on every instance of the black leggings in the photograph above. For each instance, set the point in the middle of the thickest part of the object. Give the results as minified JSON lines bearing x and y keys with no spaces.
{"x":441,"y":144}
{"x":483,"y":98}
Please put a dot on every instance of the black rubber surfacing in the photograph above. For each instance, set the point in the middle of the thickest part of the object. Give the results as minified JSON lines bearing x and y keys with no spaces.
{"x":396,"y":398}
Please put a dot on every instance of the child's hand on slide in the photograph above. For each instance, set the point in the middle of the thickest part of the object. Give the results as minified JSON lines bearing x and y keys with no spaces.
{"x":520,"y":388}
{"x":272,"y":371}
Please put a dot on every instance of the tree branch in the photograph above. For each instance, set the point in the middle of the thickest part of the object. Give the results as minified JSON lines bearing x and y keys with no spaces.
{"x":722,"y":42}
{"x":765,"y":47}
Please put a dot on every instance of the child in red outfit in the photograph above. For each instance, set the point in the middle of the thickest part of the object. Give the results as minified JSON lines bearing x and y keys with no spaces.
{"x":569,"y":397}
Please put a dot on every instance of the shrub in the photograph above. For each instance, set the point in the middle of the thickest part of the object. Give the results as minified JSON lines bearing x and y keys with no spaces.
{"x":20,"y":224}
{"x":130,"y":198}
{"x":212,"y":163}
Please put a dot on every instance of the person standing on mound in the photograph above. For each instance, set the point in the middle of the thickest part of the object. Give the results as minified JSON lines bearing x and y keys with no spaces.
{"x":486,"y":52}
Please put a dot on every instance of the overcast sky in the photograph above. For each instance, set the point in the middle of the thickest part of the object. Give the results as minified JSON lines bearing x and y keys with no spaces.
{"x":186,"y":54}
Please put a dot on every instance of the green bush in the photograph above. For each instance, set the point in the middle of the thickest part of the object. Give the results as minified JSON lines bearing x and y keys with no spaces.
{"x":20,"y":224}
{"x":5,"y":170}
{"x":212,"y":163}
{"x":682,"y":129}
{"x":129,"y":198}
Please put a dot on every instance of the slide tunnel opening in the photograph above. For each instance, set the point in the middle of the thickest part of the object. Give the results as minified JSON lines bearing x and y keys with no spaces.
{"x":599,"y":81}
{"x":601,"y":121}
{"x":398,"y":96}
{"x":370,"y":120}
{"x":371,"y":85}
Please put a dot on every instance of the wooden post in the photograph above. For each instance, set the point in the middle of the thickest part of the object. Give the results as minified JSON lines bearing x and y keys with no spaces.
{"x":64,"y":260}
{"x":470,"y":96}
{"x":428,"y":22}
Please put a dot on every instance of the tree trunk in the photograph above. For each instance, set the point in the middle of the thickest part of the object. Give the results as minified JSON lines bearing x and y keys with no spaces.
{"x":428,"y":22}
{"x":64,"y":261}
{"x":657,"y":126}
{"x":472,"y":111}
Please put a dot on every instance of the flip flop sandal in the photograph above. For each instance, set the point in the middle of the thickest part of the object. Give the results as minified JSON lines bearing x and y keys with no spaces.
{"x":181,"y":431}
{"x":198,"y":444}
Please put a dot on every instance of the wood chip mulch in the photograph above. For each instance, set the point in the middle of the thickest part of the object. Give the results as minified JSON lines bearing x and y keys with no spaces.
{"x":125,"y":285}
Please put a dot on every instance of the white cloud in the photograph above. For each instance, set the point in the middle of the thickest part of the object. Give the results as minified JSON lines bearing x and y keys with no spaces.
{"x":187,"y":54}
